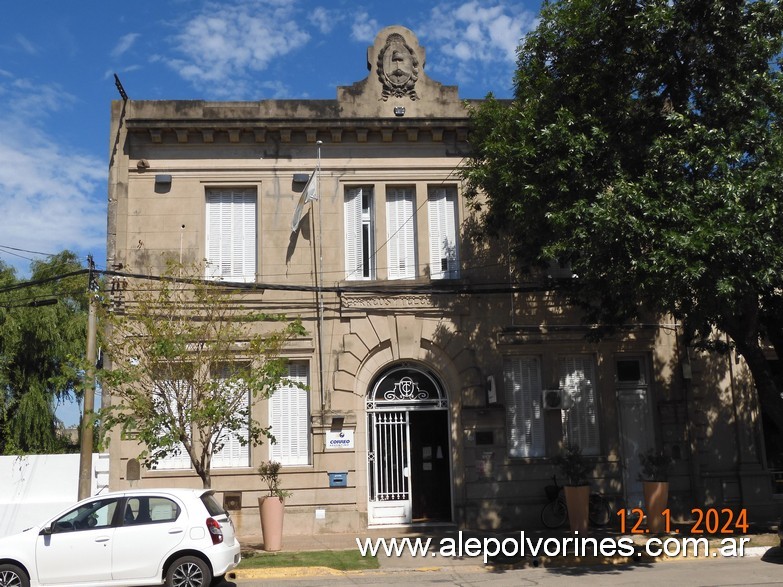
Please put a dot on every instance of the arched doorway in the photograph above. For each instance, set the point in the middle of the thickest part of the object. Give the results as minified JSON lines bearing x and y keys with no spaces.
{"x":408,"y":448}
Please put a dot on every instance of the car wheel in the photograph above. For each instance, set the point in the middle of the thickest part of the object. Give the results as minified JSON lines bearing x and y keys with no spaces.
{"x":13,"y":576}
{"x":188,"y":571}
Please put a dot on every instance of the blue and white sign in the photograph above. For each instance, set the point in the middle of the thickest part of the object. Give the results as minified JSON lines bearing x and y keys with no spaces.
{"x":339,"y":440}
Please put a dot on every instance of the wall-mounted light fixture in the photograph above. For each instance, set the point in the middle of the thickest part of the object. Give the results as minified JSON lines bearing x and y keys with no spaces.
{"x":399,"y":111}
{"x":162,"y":184}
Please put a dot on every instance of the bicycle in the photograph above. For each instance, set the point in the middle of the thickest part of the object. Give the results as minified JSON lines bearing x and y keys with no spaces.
{"x":555,"y":513}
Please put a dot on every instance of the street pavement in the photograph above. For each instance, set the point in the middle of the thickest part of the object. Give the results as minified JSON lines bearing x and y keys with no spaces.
{"x":750,"y":571}
{"x":762,"y":562}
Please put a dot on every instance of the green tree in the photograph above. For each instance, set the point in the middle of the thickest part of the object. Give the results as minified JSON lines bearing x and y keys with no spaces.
{"x":41,"y":352}
{"x":643,"y":146}
{"x":189,"y":360}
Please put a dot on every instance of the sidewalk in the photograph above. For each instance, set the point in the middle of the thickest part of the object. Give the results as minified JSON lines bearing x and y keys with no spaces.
{"x":407,"y":562}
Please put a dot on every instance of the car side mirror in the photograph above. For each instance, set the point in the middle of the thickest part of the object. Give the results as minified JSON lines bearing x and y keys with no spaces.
{"x":46,"y":530}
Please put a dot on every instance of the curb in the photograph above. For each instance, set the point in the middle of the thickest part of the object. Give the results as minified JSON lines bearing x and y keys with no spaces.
{"x":288,"y":573}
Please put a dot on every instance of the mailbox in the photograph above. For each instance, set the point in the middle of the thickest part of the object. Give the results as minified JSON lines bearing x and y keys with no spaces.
{"x":339,"y":479}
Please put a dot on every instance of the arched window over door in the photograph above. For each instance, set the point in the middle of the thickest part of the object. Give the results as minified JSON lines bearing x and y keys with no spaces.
{"x":406,"y":386}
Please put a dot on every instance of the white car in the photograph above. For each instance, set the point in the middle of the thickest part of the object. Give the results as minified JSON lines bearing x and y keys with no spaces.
{"x":180,"y":537}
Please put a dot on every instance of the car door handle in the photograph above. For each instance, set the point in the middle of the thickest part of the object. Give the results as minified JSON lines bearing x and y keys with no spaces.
{"x":102,"y":539}
{"x":175,"y":531}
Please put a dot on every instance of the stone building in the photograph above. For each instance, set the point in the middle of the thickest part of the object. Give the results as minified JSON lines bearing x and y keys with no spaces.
{"x":442,"y":377}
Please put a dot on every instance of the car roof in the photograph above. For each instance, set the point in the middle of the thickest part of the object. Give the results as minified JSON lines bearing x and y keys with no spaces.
{"x":173,"y":491}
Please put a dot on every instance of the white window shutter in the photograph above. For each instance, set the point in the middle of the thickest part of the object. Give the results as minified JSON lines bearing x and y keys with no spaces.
{"x":236,"y":449}
{"x":353,"y":234}
{"x":245,"y":251}
{"x":524,"y":409}
{"x":214,"y":231}
{"x":580,"y":423}
{"x":173,"y":389}
{"x":289,"y":417}
{"x":401,"y":233}
{"x":231,"y":234}
{"x":444,"y":251}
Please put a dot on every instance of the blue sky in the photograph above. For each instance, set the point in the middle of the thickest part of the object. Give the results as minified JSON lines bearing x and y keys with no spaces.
{"x":56,"y":84}
{"x":57,"y":60}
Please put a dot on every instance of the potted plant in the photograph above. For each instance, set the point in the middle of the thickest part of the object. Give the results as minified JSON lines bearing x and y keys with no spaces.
{"x":655,"y":479}
{"x":272,"y":506}
{"x":575,"y":469}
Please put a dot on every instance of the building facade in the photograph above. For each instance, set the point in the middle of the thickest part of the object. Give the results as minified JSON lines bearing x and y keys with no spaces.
{"x":441,"y":377}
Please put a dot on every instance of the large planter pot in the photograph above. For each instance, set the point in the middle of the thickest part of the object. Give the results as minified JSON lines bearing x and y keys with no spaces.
{"x":656,"y":496}
{"x":271,"y":509}
{"x":578,"y":504}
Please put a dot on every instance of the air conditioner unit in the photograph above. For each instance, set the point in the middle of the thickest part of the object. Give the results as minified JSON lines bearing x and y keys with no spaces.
{"x":557,"y":270}
{"x":557,"y":399}
{"x":492,"y":392}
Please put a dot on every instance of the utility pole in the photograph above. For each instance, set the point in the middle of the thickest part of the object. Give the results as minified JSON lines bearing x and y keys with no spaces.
{"x":88,"y":421}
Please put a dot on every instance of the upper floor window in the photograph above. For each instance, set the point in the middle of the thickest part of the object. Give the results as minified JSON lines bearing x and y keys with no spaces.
{"x":231,"y":234}
{"x":444,"y":253}
{"x":401,"y":232}
{"x":359,"y":229}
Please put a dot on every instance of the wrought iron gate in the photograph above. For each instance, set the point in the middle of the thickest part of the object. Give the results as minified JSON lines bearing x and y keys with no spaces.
{"x":388,"y":460}
{"x":395,"y":394}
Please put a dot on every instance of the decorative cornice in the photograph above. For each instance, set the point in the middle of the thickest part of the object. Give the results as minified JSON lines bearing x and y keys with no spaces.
{"x":361,"y":131}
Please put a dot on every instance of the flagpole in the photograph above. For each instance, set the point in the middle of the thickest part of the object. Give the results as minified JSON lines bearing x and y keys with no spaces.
{"x":320,"y":275}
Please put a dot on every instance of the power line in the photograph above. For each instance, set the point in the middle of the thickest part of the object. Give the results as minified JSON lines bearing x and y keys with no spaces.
{"x":27,"y":251}
{"x":403,"y":288}
{"x":387,"y":289}
{"x":26,"y":284}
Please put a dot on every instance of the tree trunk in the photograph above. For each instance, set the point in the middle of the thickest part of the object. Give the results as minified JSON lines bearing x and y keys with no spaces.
{"x":745,"y":331}
{"x":202,"y":470}
{"x":766,"y":385}
{"x":206,"y":478}
{"x":749,"y":347}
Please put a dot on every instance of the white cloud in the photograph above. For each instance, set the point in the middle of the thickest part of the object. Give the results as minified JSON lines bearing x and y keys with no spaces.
{"x":48,"y":191}
{"x":125,"y":43}
{"x":28,"y":101}
{"x":325,"y":20}
{"x":364,"y":28}
{"x":223,"y":47}
{"x":475,"y":39}
{"x":109,"y":73}
{"x":26,"y":45}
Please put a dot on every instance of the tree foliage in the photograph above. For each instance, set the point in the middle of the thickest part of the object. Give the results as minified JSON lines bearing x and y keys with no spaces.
{"x":189,"y":360}
{"x":643,"y":146}
{"x":41,"y":352}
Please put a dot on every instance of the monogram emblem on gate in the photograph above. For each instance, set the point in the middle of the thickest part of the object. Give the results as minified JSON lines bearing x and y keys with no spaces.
{"x":406,"y":389}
